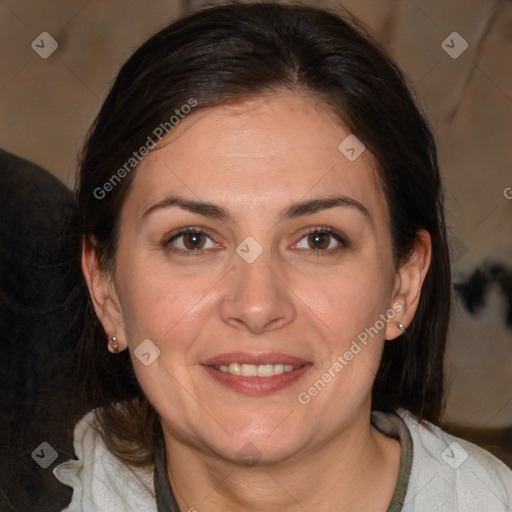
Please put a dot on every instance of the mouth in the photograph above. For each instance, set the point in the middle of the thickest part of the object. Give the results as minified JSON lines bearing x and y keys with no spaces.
{"x":256,"y":375}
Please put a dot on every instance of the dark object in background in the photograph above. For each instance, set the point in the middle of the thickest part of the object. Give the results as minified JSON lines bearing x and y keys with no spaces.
{"x":474,"y":289}
{"x":39,"y":328}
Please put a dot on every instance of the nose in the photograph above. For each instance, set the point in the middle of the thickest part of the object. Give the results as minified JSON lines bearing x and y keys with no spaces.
{"x":258,"y":296}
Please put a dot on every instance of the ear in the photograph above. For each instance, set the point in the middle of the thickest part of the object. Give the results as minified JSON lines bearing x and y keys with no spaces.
{"x":408,"y":282}
{"x":103,"y":294}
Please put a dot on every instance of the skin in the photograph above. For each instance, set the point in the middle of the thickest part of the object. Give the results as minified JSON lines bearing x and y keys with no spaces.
{"x":255,"y":158}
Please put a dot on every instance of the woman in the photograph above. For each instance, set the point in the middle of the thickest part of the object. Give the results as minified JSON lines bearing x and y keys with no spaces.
{"x":266,"y":259}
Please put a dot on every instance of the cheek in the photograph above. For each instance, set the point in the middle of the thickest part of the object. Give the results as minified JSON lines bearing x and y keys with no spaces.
{"x":169,"y":311}
{"x":347,"y":311}
{"x":155,"y":303}
{"x":348,"y":300}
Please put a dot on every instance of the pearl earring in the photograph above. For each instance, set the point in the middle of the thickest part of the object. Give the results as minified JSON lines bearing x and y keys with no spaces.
{"x":113,"y":344}
{"x":401,"y":326}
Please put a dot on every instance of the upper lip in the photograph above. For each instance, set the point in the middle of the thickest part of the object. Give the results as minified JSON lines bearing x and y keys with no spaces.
{"x":256,"y":359}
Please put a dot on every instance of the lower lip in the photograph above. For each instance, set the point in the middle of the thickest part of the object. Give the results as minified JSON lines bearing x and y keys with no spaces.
{"x":257,"y":386}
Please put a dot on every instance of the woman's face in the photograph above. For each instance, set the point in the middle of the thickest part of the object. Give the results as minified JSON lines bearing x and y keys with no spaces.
{"x":251,"y":308}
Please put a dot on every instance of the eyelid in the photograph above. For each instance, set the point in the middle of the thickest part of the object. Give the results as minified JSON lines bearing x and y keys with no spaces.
{"x":188,"y":229}
{"x":323,"y":229}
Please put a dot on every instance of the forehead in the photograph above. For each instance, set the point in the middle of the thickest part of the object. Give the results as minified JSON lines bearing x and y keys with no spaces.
{"x":262,"y":151}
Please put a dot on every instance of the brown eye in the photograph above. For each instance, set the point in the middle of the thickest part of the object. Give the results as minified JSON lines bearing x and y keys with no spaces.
{"x":190,"y":241}
{"x":193,"y":240}
{"x":323,"y":240}
{"x":319,"y":240}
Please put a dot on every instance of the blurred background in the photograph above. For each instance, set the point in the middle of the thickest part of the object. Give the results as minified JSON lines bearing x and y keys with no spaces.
{"x":58,"y":59}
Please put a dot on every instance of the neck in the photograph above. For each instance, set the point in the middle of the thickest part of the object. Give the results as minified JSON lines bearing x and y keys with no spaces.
{"x":356,"y":469}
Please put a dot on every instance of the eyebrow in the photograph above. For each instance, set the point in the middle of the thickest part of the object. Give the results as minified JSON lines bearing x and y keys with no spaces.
{"x":293,"y":211}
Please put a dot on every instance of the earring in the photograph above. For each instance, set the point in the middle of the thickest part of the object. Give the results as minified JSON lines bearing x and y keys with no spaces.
{"x":113,"y":345}
{"x":401,"y":326}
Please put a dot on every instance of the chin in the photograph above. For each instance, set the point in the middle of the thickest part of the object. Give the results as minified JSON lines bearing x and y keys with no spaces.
{"x":252,"y":447}
{"x":255,"y":453}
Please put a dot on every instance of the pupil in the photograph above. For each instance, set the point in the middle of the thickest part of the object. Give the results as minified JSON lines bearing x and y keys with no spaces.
{"x":193,"y":240}
{"x":320,"y":240}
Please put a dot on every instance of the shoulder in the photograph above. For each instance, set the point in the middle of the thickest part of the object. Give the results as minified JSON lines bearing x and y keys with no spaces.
{"x":100,"y":481}
{"x":449,"y":473}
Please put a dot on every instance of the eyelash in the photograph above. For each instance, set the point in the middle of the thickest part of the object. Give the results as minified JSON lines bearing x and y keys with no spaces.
{"x":316,"y":252}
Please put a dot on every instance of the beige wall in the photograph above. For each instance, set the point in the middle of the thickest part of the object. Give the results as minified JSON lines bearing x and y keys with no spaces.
{"x":46,"y":106}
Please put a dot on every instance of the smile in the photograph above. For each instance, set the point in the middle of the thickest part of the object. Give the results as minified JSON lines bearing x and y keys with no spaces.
{"x":256,"y":374}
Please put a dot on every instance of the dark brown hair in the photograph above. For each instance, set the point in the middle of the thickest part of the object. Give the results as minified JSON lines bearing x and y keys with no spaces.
{"x":231,"y":52}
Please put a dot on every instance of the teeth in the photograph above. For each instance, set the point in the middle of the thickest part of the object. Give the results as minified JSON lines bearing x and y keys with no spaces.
{"x":265,"y":370}
{"x":252,"y":370}
{"x":278,"y":369}
{"x":235,"y":369}
{"x":249,"y":370}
